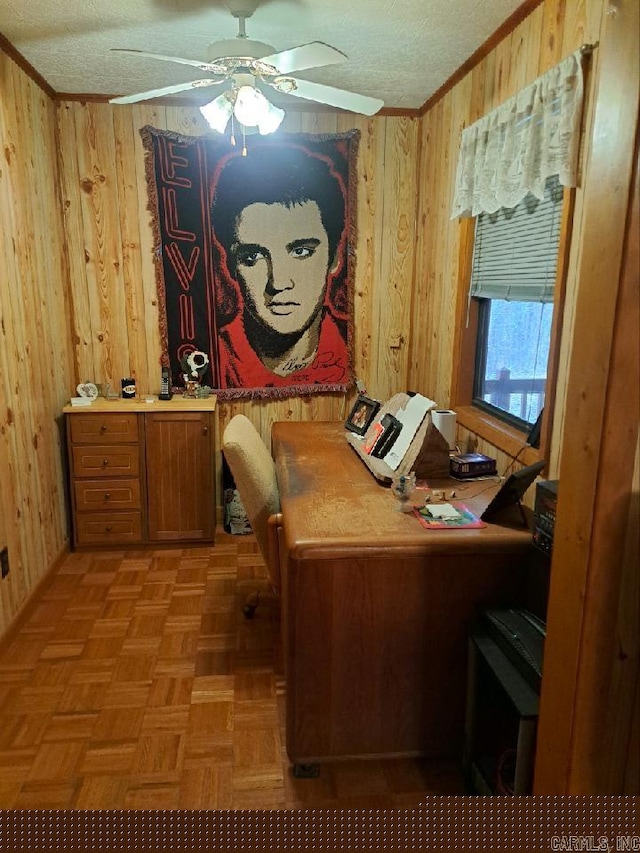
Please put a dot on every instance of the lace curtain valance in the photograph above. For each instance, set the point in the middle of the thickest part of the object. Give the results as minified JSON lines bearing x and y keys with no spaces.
{"x":515,"y":148}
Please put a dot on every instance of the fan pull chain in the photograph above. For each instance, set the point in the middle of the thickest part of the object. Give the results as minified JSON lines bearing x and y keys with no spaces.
{"x":232,"y":139}
{"x":244,"y":142}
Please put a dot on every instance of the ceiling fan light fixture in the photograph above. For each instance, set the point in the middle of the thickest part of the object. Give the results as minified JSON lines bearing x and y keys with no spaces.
{"x":251,"y":106}
{"x":271,"y":121}
{"x":245,"y":63}
{"x":218,"y":112}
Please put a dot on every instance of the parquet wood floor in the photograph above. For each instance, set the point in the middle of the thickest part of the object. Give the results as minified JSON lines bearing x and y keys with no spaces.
{"x":135,"y":682}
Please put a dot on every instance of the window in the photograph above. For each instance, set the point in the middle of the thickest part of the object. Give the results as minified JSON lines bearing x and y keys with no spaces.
{"x":515,"y":262}
{"x":506,"y":348}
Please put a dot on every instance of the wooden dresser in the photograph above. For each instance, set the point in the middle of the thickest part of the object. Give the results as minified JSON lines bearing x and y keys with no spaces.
{"x":142,"y":472}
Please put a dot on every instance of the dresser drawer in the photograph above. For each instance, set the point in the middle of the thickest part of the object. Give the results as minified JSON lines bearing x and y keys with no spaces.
{"x":106,"y":461}
{"x":107,"y":494}
{"x":108,"y":528}
{"x":116,"y":428}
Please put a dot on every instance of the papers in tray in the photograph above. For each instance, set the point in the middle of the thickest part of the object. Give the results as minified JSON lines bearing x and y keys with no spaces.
{"x":449,"y":515}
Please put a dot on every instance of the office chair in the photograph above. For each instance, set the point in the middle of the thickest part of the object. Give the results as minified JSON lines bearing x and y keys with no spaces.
{"x":254,"y":472}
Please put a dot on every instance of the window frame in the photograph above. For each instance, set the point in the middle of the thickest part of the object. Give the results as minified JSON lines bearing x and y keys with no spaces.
{"x":486,"y":426}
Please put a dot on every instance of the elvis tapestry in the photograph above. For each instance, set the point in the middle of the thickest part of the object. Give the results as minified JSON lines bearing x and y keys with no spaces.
{"x":255,"y":258}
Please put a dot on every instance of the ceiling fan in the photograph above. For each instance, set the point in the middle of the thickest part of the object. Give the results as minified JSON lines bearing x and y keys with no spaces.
{"x":249,"y":66}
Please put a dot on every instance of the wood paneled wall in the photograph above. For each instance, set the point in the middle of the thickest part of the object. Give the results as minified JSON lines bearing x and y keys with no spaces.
{"x":113,"y":286}
{"x":587,"y":727}
{"x":408,"y":249}
{"x":552,"y":31}
{"x":36,"y":369}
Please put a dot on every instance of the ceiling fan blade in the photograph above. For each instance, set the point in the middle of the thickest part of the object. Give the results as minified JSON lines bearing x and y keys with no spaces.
{"x":310,"y":55}
{"x":336,"y":97}
{"x":197,"y":63}
{"x":166,"y":90}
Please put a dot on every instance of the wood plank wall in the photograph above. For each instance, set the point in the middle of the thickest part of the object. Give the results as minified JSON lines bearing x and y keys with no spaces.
{"x":590,"y":684}
{"x":408,"y":249}
{"x":35,"y":339}
{"x":112,"y":280}
{"x":549,"y":33}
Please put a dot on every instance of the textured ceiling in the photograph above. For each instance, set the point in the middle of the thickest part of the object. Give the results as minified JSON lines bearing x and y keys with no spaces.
{"x":399,"y":50}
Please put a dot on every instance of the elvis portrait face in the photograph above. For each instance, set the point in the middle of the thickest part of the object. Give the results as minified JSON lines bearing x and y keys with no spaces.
{"x":281,"y":259}
{"x":278,"y":219}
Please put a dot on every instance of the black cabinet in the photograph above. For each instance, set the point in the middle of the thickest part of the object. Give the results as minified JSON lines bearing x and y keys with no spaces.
{"x":501,"y":721}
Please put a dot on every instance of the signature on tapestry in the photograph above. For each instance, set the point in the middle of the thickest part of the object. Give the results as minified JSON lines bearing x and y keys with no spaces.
{"x":255,"y":258}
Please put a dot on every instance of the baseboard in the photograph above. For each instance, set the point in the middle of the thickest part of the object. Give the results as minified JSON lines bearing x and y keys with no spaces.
{"x":25,"y":610}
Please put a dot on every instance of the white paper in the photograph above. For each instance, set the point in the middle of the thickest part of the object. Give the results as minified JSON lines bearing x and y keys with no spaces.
{"x":411,"y":418}
{"x":443,"y":511}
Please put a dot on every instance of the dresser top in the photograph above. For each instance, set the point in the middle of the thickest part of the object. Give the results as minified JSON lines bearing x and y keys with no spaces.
{"x":178,"y":403}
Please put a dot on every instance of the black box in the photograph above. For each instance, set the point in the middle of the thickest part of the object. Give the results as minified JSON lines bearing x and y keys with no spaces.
{"x":544,"y":515}
{"x":467,"y":465}
{"x":521,"y":636}
{"x":501,"y":722}
{"x":391,"y":428}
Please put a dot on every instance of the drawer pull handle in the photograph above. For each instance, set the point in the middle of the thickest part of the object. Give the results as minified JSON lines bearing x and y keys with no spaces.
{"x":105,"y":461}
{"x":103,"y":428}
{"x":205,"y":430}
{"x":107,"y":496}
{"x":108,"y":529}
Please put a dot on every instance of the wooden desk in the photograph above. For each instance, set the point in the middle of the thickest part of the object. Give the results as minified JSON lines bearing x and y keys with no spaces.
{"x":375,"y":608}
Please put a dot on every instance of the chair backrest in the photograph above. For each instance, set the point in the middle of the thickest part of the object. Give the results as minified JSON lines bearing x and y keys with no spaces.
{"x":254,"y":472}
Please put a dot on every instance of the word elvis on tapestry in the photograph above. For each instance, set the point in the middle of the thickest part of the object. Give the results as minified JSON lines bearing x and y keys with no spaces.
{"x":255,"y":258}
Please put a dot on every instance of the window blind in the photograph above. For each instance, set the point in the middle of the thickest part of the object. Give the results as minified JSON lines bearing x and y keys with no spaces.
{"x":515,"y":254}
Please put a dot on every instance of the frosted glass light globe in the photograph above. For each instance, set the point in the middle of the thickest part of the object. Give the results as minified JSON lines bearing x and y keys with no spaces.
{"x":251,"y":106}
{"x":218,"y":112}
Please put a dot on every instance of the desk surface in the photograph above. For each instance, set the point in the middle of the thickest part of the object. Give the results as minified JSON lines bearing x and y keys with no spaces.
{"x":334,"y":507}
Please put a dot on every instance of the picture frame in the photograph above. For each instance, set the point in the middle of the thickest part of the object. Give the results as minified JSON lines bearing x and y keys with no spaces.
{"x":362,"y":414}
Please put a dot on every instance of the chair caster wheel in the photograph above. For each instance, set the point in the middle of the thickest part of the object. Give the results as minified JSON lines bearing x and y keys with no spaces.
{"x":251,"y":606}
{"x":306,"y":771}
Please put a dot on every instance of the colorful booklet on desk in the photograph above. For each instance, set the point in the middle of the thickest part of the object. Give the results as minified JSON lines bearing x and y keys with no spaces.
{"x":447,"y":516}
